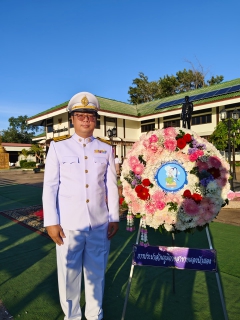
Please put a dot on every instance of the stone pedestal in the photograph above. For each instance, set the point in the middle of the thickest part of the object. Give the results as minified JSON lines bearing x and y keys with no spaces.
{"x":4,"y":161}
{"x":4,"y":157}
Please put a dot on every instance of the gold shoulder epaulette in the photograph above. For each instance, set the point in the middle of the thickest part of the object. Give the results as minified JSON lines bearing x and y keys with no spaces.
{"x":67,"y":136}
{"x":105,"y":141}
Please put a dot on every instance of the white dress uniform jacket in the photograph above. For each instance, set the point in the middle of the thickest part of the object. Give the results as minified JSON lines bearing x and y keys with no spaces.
{"x":80,"y":184}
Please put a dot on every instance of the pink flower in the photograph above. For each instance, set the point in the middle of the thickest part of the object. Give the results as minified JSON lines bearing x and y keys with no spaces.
{"x":138,"y":169}
{"x":207,"y":208}
{"x":200,"y":153}
{"x":146,"y":144}
{"x":169,"y":133}
{"x":170,"y":144}
{"x":150,"y":207}
{"x":181,"y":156}
{"x":193,"y":157}
{"x":158,"y":196}
{"x":202,"y":165}
{"x":201,"y":221}
{"x":133,"y":161}
{"x":190,"y":207}
{"x":221,"y":182}
{"x":224,"y":173}
{"x":171,"y":197}
{"x":214,"y":161}
{"x":136,"y":207}
{"x":153,"y":148}
{"x":231,"y":195}
{"x":160,"y":205}
{"x":153,"y":138}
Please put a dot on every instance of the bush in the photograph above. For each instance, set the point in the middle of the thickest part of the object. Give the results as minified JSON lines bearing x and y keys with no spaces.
{"x":28,"y":165}
{"x":22,"y":162}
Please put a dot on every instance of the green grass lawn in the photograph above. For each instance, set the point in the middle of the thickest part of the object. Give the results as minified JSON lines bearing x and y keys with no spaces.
{"x":28,"y":281}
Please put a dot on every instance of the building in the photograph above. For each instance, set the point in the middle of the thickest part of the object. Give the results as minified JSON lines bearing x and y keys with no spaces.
{"x":14,"y":150}
{"x":130,"y":121}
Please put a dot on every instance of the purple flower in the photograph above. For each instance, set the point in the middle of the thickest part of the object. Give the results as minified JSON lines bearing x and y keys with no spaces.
{"x":134,"y":182}
{"x":205,"y":181}
{"x":192,"y":150}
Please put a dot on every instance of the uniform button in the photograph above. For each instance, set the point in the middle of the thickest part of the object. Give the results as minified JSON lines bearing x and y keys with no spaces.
{"x":84,"y":145}
{"x":86,"y":171}
{"x":87,"y":185}
{"x":87,"y":200}
{"x":85,"y":157}
{"x":80,"y":139}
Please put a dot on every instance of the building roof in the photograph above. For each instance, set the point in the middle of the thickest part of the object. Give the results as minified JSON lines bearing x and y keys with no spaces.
{"x":12,"y":144}
{"x":149,"y":108}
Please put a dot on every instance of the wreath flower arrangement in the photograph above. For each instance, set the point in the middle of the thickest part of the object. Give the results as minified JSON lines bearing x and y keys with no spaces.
{"x":174,"y":180}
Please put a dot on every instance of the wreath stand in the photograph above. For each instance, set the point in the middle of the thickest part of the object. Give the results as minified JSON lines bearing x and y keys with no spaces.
{"x":173,"y":242}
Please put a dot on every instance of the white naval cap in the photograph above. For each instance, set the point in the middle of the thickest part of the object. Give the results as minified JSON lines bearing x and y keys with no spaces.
{"x":83,"y":101}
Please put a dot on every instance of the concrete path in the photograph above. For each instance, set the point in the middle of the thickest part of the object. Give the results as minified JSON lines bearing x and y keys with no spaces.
{"x":229,"y":214}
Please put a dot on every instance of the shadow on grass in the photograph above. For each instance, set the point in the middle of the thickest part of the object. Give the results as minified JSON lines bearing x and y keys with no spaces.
{"x":29,"y":279}
{"x":151,"y":295}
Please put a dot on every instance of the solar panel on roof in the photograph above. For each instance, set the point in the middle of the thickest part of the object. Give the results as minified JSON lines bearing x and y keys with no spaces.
{"x":192,"y":98}
{"x":201,"y":96}
{"x":234,"y":88}
{"x":223,"y":91}
{"x":161,"y":106}
{"x":210,"y":94}
{"x":177,"y":101}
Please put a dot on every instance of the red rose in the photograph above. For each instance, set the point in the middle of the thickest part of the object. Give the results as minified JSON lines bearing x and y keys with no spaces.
{"x":146,"y":182}
{"x":196,"y":197}
{"x":181,"y":143}
{"x":144,"y":194}
{"x":121,"y":200}
{"x":187,"y":137}
{"x":187,"y":194}
{"x":138,"y":188}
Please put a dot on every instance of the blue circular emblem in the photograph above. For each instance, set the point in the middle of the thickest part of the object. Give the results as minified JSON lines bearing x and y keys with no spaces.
{"x":171,"y":176}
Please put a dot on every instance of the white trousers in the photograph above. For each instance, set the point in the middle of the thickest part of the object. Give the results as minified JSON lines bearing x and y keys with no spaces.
{"x":87,"y":251}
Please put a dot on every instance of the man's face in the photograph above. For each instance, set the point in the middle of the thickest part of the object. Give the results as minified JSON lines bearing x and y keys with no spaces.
{"x":84,"y":123}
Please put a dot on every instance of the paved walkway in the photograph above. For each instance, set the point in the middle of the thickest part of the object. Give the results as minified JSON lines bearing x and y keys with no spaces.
{"x":18,"y":176}
{"x":229,"y":214}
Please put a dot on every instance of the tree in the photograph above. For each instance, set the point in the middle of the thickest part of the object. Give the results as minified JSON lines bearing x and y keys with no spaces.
{"x":189,"y":80}
{"x":18,"y":130}
{"x":143,"y":91}
{"x":37,"y":150}
{"x":25,"y":153}
{"x":168,"y":86}
{"x":215,"y":80}
{"x":219,"y":137}
{"x":183,"y":81}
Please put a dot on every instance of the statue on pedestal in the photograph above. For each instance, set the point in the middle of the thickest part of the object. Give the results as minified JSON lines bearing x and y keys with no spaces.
{"x":186,"y":115}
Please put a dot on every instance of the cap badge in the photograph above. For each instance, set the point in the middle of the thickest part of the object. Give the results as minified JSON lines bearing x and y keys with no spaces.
{"x":85,"y":101}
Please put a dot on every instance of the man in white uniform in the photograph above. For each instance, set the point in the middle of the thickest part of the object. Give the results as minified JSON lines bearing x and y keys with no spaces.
{"x":81,"y":209}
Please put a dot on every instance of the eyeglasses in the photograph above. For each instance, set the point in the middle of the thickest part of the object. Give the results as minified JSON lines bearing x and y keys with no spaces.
{"x":82,"y":116}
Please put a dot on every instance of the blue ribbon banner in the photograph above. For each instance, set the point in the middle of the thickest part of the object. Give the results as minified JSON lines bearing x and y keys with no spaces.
{"x":175,"y":257}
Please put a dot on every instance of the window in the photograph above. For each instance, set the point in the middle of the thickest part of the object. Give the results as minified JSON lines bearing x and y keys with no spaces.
{"x":147,"y":125}
{"x":207,"y":118}
{"x":70,"y":121}
{"x":98,"y":123}
{"x":171,"y":123}
{"x":49,"y":125}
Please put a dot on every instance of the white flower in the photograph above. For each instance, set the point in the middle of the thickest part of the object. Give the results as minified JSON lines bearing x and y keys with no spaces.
{"x":153,"y":159}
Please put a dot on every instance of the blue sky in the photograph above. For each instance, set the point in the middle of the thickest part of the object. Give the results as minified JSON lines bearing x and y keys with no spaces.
{"x":52,"y":49}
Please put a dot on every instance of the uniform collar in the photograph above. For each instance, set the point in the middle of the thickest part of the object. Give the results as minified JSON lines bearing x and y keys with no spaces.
{"x":82,"y":140}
